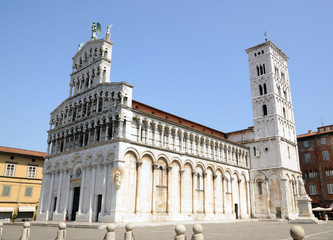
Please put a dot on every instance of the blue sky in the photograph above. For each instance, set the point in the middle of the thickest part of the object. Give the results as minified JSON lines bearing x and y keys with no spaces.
{"x":185,"y":57}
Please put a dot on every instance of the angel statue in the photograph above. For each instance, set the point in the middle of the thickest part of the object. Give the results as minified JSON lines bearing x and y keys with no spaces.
{"x":108,"y":34}
{"x":96,"y":28}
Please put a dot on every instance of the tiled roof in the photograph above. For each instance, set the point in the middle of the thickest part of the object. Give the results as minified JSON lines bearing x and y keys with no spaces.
{"x":168,"y":116}
{"x":22,"y":151}
{"x":313,"y":134}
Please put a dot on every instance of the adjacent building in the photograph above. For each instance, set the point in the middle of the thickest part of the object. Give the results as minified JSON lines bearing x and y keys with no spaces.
{"x":113,"y":159}
{"x":316,"y":160}
{"x":20,"y":182}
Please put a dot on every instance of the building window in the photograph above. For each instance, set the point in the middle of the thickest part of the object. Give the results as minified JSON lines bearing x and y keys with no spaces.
{"x":265,"y":88}
{"x":254,"y":151}
{"x":199,"y":182}
{"x":313,"y":189}
{"x":6,"y":191}
{"x":330,"y":188}
{"x":307,"y":157}
{"x":260,"y":90}
{"x":323,"y":141}
{"x":325,"y":155}
{"x":32,"y":171}
{"x":264,"y":110}
{"x":284,"y":112}
{"x":306,"y":174}
{"x":277,"y":72}
{"x":260,"y":187}
{"x":328,"y":172}
{"x":10,"y":170}
{"x":306,"y":144}
{"x":282,"y":76}
{"x":28,"y":192}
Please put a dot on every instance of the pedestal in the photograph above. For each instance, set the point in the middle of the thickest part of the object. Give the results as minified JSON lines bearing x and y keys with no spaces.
{"x":305,"y":211}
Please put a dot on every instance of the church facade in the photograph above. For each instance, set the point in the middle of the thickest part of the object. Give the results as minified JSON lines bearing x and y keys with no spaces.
{"x":113,"y":159}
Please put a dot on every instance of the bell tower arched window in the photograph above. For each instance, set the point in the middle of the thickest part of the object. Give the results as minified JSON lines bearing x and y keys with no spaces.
{"x":265,"y":88}
{"x":260,"y":90}
{"x":264,"y":110}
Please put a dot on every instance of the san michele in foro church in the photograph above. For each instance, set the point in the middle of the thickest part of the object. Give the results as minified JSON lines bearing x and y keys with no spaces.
{"x":113,"y":159}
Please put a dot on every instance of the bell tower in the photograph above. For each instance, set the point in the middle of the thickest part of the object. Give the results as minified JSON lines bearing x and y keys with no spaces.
{"x":273,"y":115}
{"x":274,"y":155}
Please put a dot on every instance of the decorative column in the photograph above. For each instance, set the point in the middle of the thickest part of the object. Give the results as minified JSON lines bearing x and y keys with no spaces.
{"x":232,"y":194}
{"x":68,"y":190}
{"x":105,"y":172}
{"x":95,"y":133}
{"x":89,"y":133}
{"x":162,"y":136}
{"x":138,"y":183}
{"x":121,"y":123}
{"x":204,"y":179}
{"x":92,"y":192}
{"x":181,"y":190}
{"x":50,"y":196}
{"x":181,"y":139}
{"x":268,"y":196}
{"x":153,"y":130}
{"x":168,"y":189}
{"x":252,"y":188}
{"x":223,"y":193}
{"x":139,"y":130}
{"x":48,"y":147}
{"x":97,"y":104}
{"x":112,"y":128}
{"x":59,"y":191}
{"x":247,"y":198}
{"x":214,"y":193}
{"x":82,"y":189}
{"x":193,"y":191}
{"x":239,"y":198}
{"x":153,"y":195}
{"x":107,"y":122}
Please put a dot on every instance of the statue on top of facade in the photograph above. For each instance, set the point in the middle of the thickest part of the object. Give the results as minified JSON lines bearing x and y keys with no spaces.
{"x":95,"y":29}
{"x":108,"y":34}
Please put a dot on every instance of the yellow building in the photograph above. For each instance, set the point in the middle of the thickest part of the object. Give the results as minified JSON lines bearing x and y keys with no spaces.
{"x":21,"y":173}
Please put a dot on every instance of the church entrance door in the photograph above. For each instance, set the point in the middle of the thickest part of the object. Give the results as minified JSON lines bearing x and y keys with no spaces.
{"x":76,"y":200}
{"x":99,"y":206}
{"x":278,"y":212}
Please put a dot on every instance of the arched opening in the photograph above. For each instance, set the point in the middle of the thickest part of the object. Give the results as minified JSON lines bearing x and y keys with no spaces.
{"x":261,"y":70}
{"x":258,"y":71}
{"x":260,"y":90}
{"x":284,"y":112}
{"x":264,"y":68}
{"x":259,"y":183}
{"x":264,"y":110}
{"x":265,"y":88}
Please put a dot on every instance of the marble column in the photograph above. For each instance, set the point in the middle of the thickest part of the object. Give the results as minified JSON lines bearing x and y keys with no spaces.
{"x":59,"y":191}
{"x":92,"y":192}
{"x":84,"y":168}
{"x":193,"y":191}
{"x":49,"y":207}
{"x":138,"y":183}
{"x":105,"y":169}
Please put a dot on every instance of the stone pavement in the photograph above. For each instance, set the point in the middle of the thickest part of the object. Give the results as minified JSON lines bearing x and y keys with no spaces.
{"x":226,"y":230}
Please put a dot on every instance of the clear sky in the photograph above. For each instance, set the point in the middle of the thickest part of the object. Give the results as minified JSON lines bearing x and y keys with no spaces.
{"x":185,"y":57}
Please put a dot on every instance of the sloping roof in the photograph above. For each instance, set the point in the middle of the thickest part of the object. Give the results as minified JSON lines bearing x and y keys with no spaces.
{"x":173,"y":118}
{"x":313,"y":134}
{"x":22,"y":151}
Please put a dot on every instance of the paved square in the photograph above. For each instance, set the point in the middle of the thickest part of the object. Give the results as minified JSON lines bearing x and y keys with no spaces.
{"x":256,"y":230}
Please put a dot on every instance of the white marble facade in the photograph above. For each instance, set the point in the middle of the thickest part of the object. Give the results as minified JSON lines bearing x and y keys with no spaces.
{"x":109,"y":161}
